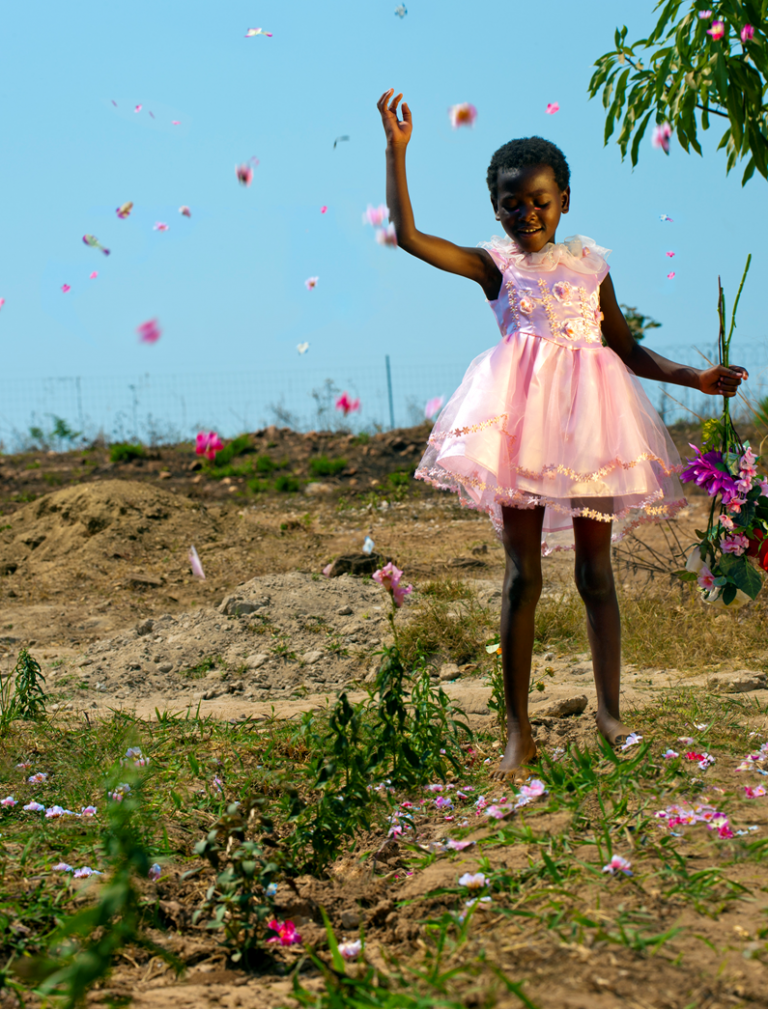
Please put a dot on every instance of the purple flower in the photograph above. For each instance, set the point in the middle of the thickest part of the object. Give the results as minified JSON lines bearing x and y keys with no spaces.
{"x":705,"y":472}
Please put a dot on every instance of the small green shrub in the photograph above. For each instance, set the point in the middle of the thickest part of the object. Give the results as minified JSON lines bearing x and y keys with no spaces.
{"x":257,"y":486}
{"x":236,"y":447}
{"x":29,"y":696}
{"x":321,"y":466}
{"x":286,"y":483}
{"x":265,"y":464}
{"x":124,"y":452}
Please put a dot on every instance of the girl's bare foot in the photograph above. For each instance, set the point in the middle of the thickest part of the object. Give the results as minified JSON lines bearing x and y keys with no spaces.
{"x":613,"y":730}
{"x":519,"y":752}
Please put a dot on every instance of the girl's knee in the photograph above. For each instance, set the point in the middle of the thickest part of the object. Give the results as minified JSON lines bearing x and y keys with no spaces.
{"x":594,"y":581}
{"x":522,"y":586}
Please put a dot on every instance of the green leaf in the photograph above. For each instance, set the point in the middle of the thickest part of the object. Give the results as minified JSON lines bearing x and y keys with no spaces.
{"x":638,"y":137}
{"x":740,"y":572}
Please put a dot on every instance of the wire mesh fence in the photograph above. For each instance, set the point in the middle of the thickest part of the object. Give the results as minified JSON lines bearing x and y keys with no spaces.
{"x":156,"y":409}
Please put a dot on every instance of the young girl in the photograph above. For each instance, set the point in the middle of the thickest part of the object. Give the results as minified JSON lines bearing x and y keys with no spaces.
{"x":550,"y":432}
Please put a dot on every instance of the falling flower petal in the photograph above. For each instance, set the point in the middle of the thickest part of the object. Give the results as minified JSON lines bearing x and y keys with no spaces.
{"x":670,"y":254}
{"x":660,"y":136}
{"x":65,"y":288}
{"x":303,"y":348}
{"x":670,"y":276}
{"x":194,"y":560}
{"x":346,"y":405}
{"x":665,"y":217}
{"x":463,"y":114}
{"x":401,"y":11}
{"x":175,"y":122}
{"x":160,"y":226}
{"x":433,"y":406}
{"x":55,"y":811}
{"x":387,"y":236}
{"x":185,"y":210}
{"x":494,"y":648}
{"x":631,"y":740}
{"x":2,"y":302}
{"x":270,"y":890}
{"x":376,"y":216}
{"x":368,"y":546}
{"x":459,"y":846}
{"x":311,"y":282}
{"x":552,"y":108}
{"x":327,"y":570}
{"x":137,"y":109}
{"x":93,"y":275}
{"x":124,"y":209}
{"x":257,"y":31}
{"x":244,"y":174}
{"x":323,"y":209}
{"x":149,"y":332}
{"x":705,"y":15}
{"x":94,"y":243}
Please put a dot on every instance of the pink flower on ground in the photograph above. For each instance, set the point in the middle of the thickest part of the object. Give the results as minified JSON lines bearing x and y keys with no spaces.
{"x":724,"y":831}
{"x":34,"y":807}
{"x":755,"y":791}
{"x":458,"y":846}
{"x":734,"y":543}
{"x":244,"y":174}
{"x":472,"y":881}
{"x":706,"y":579}
{"x":618,"y":864}
{"x":159,"y":226}
{"x":717,"y":30}
{"x":433,"y":406}
{"x":327,"y":570}
{"x":149,"y":332}
{"x":463,"y":114}
{"x":66,"y":287}
{"x":38,"y":778}
{"x":311,"y":282}
{"x":660,"y":136}
{"x":85,"y":871}
{"x":350,"y":949}
{"x":671,"y":276}
{"x":346,"y":405}
{"x":552,"y":108}
{"x":185,"y":211}
{"x":54,"y":811}
{"x":62,"y":868}
{"x":154,"y":871}
{"x":376,"y":216}
{"x":387,"y":236}
{"x":88,"y":812}
{"x":208,"y":444}
{"x":286,"y":933}
{"x":196,"y":564}
{"x":9,"y":801}
{"x":669,"y":753}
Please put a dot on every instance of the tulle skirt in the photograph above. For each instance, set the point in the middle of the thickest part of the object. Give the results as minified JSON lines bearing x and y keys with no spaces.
{"x":535,"y":423}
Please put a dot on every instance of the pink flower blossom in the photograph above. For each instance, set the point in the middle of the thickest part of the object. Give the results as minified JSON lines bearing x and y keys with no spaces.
{"x":85,"y":871}
{"x":399,"y":594}
{"x":669,"y":753}
{"x":38,"y":778}
{"x":149,"y":332}
{"x":88,"y":812}
{"x":387,"y":236}
{"x":552,"y":108}
{"x":706,"y":579}
{"x":633,"y":738}
{"x":734,"y":543}
{"x":705,"y":15}
{"x":536,"y":787}
{"x":55,"y":811}
{"x":463,"y":114}
{"x":726,"y":522}
{"x":350,"y":949}
{"x":458,"y":846}
{"x":747,"y":32}
{"x":62,"y":868}
{"x":346,"y":405}
{"x":311,"y":282}
{"x":244,"y":174}
{"x":124,"y":209}
{"x":34,"y":807}
{"x":185,"y":211}
{"x":154,"y":871}
{"x":472,"y":881}
{"x":376,"y":216}
{"x":660,"y":136}
{"x":160,"y":226}
{"x":753,"y":792}
{"x":389,"y":577}
{"x":208,"y":444}
{"x":618,"y":864}
{"x":286,"y":933}
{"x":66,"y":287}
{"x":717,"y":30}
{"x":734,"y":505}
{"x":9,"y":801}
{"x":433,"y":406}
{"x":763,"y":482}
{"x":195,"y":563}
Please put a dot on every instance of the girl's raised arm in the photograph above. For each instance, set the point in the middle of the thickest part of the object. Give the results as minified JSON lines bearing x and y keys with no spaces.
{"x":476,"y":264}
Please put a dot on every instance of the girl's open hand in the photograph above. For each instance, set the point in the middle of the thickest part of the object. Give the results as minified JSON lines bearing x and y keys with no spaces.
{"x":720,"y":380}
{"x":398,"y":131}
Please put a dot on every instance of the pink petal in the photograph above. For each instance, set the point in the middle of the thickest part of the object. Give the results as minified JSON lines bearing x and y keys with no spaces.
{"x":149,"y":332}
{"x":66,"y":287}
{"x":137,"y":109}
{"x":670,"y":254}
{"x":323,"y":209}
{"x":185,"y":211}
{"x":2,"y":302}
{"x":552,"y":108}
{"x":176,"y":122}
{"x":194,"y":560}
{"x":93,"y":276}
{"x":670,"y":276}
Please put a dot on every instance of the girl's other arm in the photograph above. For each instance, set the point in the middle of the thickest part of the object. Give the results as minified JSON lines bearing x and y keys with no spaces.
{"x":476,"y":264}
{"x":647,"y":364}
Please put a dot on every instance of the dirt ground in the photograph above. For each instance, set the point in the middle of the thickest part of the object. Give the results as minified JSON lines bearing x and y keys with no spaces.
{"x":94,"y":575}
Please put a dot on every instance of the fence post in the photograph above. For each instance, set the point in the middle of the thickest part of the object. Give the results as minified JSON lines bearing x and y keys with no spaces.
{"x":389,"y":390}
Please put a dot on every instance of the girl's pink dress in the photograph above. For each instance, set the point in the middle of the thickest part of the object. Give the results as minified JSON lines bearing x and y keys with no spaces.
{"x":549,"y":416}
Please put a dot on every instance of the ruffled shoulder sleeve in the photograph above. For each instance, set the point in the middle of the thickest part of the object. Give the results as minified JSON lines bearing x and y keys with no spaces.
{"x":590,"y":256}
{"x":501,"y":250}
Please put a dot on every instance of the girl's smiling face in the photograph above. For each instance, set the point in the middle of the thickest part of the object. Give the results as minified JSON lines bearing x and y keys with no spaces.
{"x":529,"y":204}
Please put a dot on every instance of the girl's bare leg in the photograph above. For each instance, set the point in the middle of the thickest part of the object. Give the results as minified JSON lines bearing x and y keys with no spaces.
{"x":594,"y":581}
{"x":521,"y":537}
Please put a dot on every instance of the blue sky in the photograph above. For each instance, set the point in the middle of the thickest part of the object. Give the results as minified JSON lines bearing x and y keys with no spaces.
{"x":227,"y":285}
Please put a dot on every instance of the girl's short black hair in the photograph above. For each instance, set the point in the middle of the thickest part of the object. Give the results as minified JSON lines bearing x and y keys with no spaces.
{"x":527,"y":151}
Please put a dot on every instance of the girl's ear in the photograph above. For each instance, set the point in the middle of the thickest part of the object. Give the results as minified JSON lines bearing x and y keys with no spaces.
{"x":495,"y":207}
{"x":565,"y":198}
